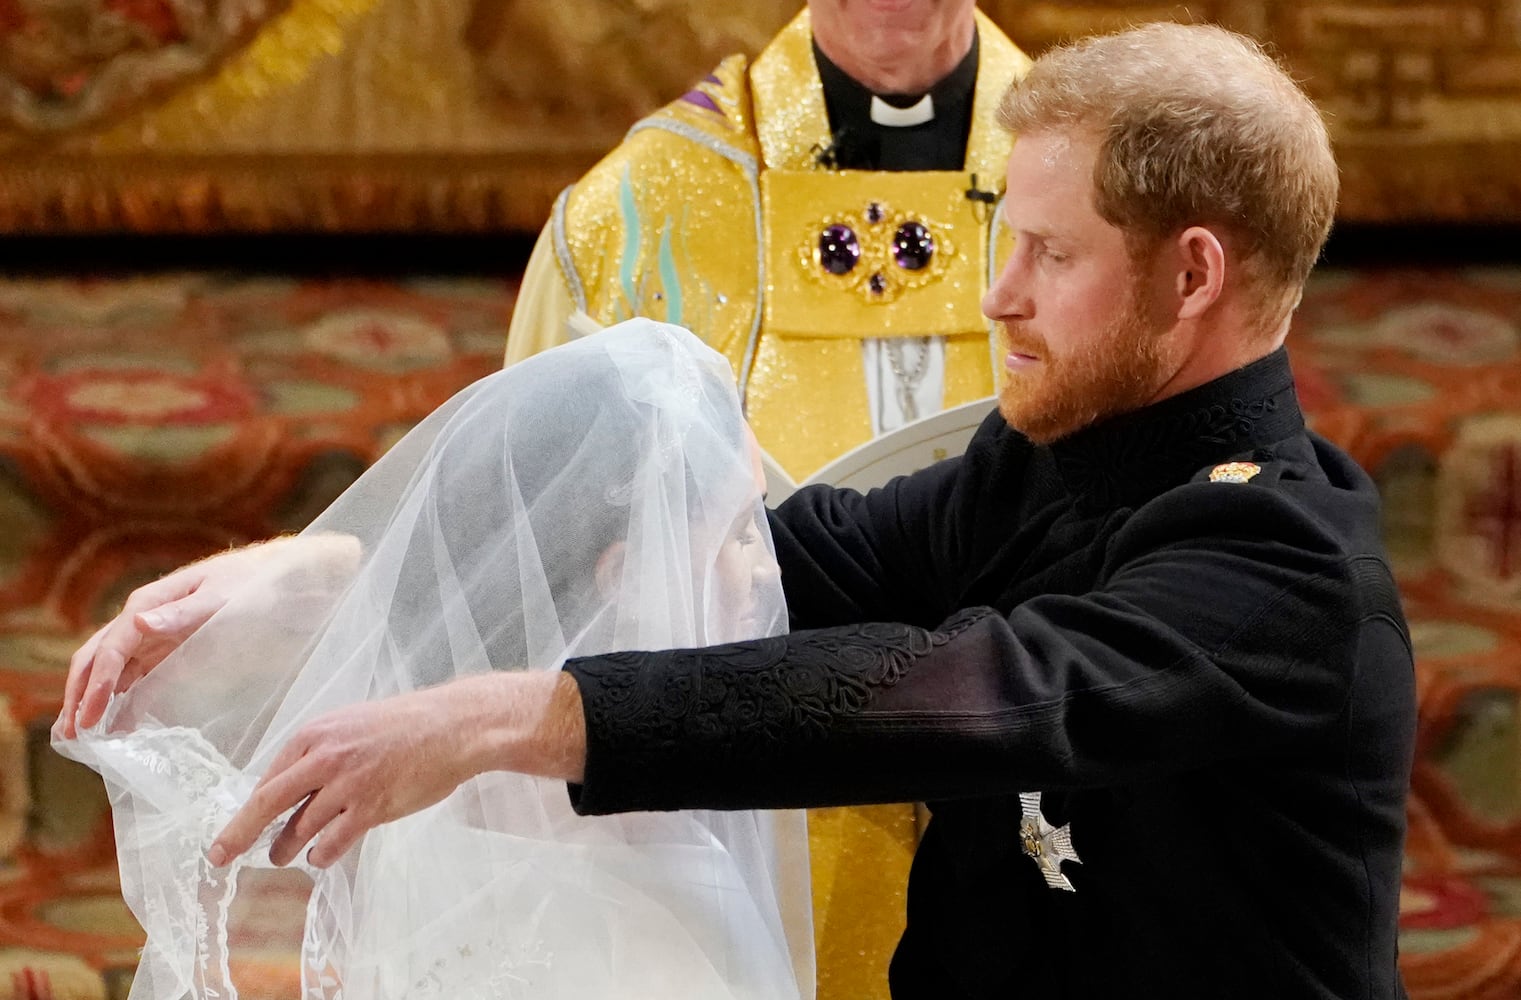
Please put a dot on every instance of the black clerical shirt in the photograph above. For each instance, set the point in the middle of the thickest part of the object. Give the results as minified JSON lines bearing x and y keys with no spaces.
{"x":859,"y":143}
{"x":1210,"y":683}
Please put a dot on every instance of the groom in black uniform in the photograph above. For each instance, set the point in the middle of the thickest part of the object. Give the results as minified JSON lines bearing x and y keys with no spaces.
{"x":1149,"y":667}
{"x":1140,"y":648}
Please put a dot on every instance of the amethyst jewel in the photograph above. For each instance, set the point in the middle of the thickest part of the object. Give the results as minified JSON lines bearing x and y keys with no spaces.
{"x":913,"y":246}
{"x":839,"y":249}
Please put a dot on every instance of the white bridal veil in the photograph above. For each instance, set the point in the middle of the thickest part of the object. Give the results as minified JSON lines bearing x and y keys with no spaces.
{"x":596,"y":497}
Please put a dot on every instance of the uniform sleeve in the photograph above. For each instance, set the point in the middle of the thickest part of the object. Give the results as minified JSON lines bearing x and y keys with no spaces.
{"x":880,"y":556}
{"x":844,"y":554}
{"x":1227,"y":622}
{"x":543,"y":305}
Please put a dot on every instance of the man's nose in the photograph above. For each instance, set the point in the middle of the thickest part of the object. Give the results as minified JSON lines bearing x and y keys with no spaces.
{"x":1007,"y":299}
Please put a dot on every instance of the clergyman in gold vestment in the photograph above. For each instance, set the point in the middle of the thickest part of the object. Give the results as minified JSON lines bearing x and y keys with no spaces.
{"x":825,"y":216}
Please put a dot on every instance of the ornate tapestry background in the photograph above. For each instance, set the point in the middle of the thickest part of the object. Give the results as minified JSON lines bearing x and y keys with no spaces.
{"x":470,"y":115}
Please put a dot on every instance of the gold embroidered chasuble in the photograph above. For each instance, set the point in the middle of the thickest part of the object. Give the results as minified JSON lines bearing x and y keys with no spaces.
{"x":710,"y":215}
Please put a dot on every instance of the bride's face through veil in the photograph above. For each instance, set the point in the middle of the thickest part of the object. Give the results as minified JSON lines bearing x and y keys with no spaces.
{"x":744,"y":571}
{"x":745,"y":566}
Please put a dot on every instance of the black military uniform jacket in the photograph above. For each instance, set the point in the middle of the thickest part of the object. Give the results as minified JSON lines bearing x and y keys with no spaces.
{"x":1210,"y":683}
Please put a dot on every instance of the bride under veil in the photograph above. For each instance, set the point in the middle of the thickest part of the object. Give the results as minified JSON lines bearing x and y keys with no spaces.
{"x":599,"y":496}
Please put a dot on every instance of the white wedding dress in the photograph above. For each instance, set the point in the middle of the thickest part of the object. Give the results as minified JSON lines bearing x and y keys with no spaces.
{"x":595,"y":497}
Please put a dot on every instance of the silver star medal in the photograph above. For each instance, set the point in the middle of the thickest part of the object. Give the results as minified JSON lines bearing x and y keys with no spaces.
{"x":1045,"y":844}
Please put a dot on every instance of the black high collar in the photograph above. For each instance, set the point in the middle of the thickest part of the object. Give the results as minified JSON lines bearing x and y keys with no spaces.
{"x":1129,"y":459}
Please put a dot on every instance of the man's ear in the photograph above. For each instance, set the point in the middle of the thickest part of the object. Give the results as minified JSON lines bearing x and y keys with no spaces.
{"x":609,"y":571}
{"x":1200,"y":276}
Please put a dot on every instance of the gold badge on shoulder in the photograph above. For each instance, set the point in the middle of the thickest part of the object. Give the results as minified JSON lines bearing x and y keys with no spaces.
{"x":1234,"y":472}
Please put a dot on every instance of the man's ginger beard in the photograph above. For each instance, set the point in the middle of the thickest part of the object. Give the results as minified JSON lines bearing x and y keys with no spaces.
{"x":1117,"y":373}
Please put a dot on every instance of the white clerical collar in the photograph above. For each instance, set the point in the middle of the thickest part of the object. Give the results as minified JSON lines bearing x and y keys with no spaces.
{"x":917,"y":114}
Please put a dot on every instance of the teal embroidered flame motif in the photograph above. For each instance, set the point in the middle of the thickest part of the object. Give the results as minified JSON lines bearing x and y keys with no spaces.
{"x":668,"y":256}
{"x":668,"y":279}
{"x":633,"y":303}
{"x":631,"y":236}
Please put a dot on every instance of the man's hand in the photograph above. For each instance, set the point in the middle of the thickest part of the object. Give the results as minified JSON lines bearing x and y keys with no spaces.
{"x":367,"y":764}
{"x":158,"y":617}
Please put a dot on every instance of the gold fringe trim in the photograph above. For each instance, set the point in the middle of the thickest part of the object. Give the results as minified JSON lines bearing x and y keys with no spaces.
{"x":1471,"y":183}
{"x":374,"y":194}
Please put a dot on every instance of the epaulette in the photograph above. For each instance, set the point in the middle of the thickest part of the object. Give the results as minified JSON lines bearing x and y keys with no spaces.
{"x":1241,"y":472}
